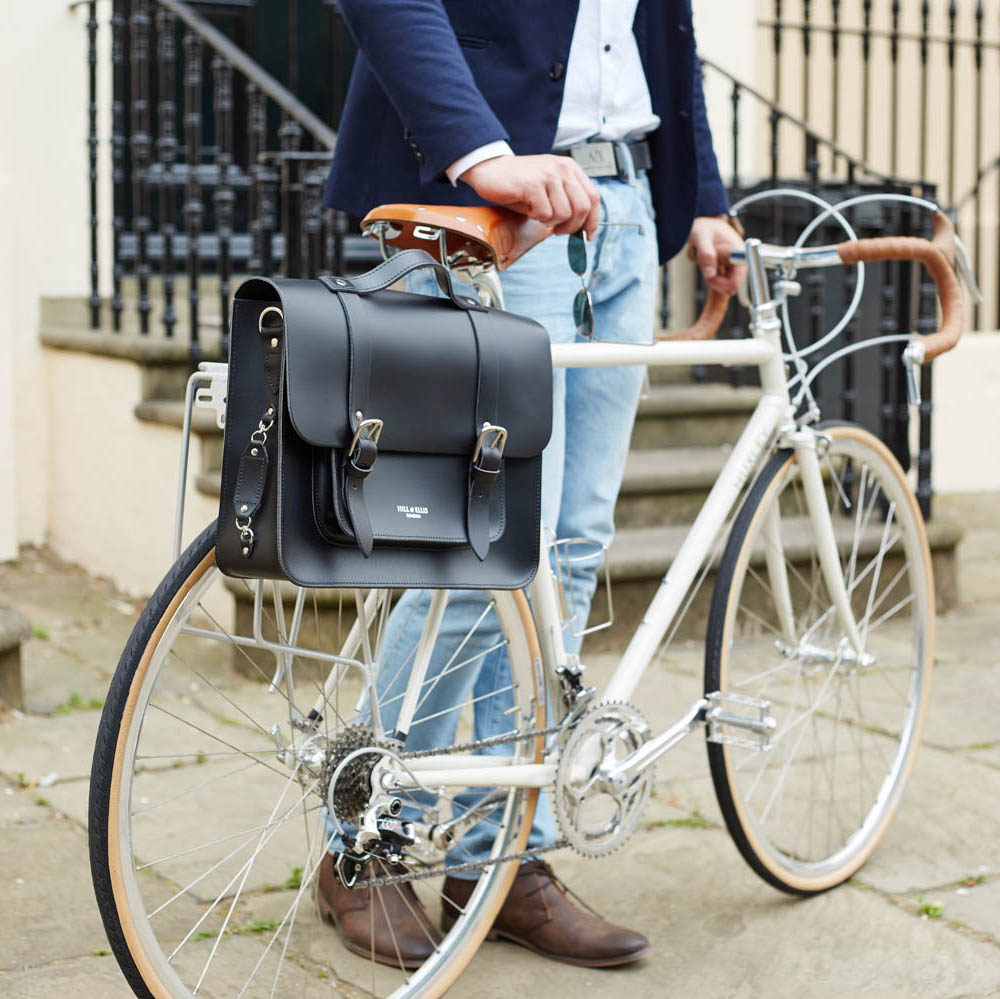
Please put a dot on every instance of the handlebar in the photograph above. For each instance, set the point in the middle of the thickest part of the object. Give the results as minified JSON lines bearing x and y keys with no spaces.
{"x":941,"y":256}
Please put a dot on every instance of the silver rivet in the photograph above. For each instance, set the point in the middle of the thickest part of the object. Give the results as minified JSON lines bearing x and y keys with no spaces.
{"x":486,"y":426}
{"x":359,"y":415}
{"x":480,"y":228}
{"x":243,"y":509}
{"x":274,"y":341}
{"x":461,"y":218}
{"x":246,"y":551}
{"x":270,"y":410}
{"x":420,"y":208}
{"x":341,"y":281}
{"x":253,"y":451}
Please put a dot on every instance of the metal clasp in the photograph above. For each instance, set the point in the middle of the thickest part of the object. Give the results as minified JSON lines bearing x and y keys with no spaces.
{"x":367,"y":430}
{"x":490,"y":436}
{"x":260,"y":318}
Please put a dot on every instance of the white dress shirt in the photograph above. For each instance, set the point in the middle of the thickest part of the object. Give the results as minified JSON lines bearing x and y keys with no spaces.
{"x":605,"y":96}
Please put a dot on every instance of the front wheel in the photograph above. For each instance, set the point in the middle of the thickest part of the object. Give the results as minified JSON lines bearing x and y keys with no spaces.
{"x":808,"y":811}
{"x":210,"y":785}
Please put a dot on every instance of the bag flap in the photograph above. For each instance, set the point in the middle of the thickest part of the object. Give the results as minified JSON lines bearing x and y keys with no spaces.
{"x":423,"y":377}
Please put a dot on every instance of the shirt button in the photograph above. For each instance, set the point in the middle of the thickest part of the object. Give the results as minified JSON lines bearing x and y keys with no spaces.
{"x":607,"y":48}
{"x":556,"y":71}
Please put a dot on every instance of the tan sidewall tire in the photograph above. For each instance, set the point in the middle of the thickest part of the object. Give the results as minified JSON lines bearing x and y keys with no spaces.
{"x":473,"y":937}
{"x":781,"y":877}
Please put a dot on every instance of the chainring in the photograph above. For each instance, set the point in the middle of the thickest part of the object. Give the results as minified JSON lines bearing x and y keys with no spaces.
{"x":595,"y":815}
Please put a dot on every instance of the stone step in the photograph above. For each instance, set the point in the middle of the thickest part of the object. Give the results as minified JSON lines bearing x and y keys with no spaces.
{"x":15,"y":629}
{"x":75,"y":310}
{"x":680,"y":414}
{"x":637,"y":562}
{"x":165,"y":364}
{"x":170,"y":413}
{"x":663,"y":487}
{"x":640,"y":557}
{"x":667,"y":485}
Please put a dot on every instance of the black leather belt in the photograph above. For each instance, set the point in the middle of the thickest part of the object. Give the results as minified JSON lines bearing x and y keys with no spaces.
{"x":610,"y":159}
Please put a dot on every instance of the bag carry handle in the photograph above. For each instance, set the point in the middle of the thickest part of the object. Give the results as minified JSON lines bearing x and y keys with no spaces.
{"x":396,"y":267}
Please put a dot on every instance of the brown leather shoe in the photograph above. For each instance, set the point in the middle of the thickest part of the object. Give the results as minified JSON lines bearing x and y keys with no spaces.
{"x":538,"y":914}
{"x":404,"y":934}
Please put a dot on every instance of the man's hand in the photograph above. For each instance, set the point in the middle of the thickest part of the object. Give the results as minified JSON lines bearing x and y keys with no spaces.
{"x":709,"y":244}
{"x":552,"y":189}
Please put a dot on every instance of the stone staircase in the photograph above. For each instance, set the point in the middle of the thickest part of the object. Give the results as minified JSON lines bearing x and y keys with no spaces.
{"x":682,"y":437}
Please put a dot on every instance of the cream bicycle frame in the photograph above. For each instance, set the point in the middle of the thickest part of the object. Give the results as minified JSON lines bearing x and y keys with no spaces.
{"x":772,"y":420}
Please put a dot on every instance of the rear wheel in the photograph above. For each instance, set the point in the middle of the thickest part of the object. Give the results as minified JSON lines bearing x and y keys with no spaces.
{"x":209,"y":786}
{"x":808,"y":812}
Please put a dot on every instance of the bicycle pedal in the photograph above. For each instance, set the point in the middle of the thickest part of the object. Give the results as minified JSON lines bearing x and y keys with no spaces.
{"x":751,"y":716}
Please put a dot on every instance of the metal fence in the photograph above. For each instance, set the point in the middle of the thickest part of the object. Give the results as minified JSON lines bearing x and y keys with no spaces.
{"x":217,"y":169}
{"x":909,"y":88}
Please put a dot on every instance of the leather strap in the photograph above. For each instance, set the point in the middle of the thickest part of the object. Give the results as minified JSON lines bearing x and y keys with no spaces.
{"x":360,"y":461}
{"x":396,"y":267}
{"x":250,"y":480}
{"x":357,"y":467}
{"x":484,"y":470}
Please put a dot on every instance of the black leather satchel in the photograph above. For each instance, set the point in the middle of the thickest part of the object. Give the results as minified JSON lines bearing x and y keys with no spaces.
{"x":379,"y":438}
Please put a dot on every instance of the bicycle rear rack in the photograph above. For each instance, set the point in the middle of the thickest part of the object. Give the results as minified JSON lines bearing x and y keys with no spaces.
{"x":570,"y":553}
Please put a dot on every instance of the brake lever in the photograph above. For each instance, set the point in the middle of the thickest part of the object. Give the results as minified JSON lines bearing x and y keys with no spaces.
{"x":913,"y":359}
{"x":965,"y":272}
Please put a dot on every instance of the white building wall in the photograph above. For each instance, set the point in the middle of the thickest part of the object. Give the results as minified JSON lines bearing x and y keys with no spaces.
{"x":43,"y":187}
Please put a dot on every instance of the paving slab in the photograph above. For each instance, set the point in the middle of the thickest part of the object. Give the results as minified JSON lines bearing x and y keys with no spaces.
{"x":49,"y":911}
{"x":973,"y":905}
{"x":947,"y":826}
{"x":89,"y":977}
{"x":717,"y":930}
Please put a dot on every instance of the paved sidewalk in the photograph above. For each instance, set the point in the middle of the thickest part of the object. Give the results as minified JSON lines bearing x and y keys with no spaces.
{"x":716,"y":929}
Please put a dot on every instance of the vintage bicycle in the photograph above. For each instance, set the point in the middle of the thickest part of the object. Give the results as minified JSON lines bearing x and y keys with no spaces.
{"x":214,"y":799}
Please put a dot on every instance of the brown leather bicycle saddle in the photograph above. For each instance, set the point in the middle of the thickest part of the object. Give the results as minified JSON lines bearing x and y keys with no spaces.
{"x":476,"y":234}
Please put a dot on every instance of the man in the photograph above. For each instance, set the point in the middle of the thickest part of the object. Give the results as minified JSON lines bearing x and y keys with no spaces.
{"x":491,"y":97}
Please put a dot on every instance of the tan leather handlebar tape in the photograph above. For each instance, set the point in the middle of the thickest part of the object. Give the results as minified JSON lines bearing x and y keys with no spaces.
{"x":708,"y":323}
{"x":933,"y":258}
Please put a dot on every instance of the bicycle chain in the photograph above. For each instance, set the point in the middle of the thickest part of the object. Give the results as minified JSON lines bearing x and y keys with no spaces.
{"x":476,"y":865}
{"x":496,"y":740}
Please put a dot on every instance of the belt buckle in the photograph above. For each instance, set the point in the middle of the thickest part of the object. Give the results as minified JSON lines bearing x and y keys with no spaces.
{"x":624,"y":163}
{"x":597,"y":159}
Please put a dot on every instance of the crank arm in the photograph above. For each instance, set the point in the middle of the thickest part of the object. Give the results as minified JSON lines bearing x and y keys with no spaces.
{"x":709,"y":711}
{"x":649,"y":752}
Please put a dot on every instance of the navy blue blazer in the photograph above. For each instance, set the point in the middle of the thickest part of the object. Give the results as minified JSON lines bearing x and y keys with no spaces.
{"x":435,"y":79}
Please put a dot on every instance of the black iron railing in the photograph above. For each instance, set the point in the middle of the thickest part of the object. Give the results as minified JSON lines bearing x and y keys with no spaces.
{"x":928,"y":73}
{"x":217,"y":169}
{"x":772,"y":147}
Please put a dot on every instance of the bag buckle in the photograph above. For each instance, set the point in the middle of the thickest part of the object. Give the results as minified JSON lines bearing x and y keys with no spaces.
{"x":368,"y":431}
{"x":491,"y":437}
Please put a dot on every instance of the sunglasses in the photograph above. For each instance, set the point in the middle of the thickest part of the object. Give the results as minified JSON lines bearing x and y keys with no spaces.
{"x":576,"y":252}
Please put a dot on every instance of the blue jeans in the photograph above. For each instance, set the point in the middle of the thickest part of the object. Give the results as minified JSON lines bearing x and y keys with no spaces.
{"x":582,"y":467}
